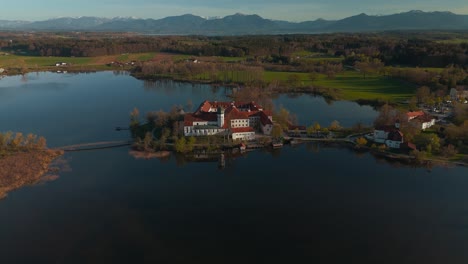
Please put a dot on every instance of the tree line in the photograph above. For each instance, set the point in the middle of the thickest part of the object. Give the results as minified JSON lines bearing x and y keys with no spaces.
{"x":15,"y":142}
{"x":416,"y":50}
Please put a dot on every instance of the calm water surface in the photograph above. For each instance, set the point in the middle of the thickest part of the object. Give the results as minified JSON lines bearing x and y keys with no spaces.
{"x":307,"y":204}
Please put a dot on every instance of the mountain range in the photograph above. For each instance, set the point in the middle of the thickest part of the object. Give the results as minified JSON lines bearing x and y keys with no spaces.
{"x":240,"y":24}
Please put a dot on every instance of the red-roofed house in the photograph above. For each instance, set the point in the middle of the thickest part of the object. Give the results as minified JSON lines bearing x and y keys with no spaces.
{"x":238,"y":120}
{"x":423,"y":120}
{"x":414,"y":114}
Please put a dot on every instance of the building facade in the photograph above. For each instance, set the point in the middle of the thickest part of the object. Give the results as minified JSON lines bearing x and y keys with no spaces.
{"x":239,"y":121}
{"x":421,"y":119}
{"x":391,"y":136}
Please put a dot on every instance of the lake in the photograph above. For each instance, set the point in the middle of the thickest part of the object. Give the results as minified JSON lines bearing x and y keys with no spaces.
{"x":302,"y":204}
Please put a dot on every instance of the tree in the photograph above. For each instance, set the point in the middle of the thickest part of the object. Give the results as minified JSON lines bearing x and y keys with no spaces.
{"x":317,"y":127}
{"x":175,"y":129}
{"x":135,"y":118}
{"x":325,"y":131}
{"x":180,"y":144}
{"x":283,"y":118}
{"x":160,"y":118}
{"x":449,"y":151}
{"x":5,"y":139}
{"x":276,"y":131}
{"x":30,"y":141}
{"x":413,"y":103}
{"x":41,"y":143}
{"x":387,"y":116}
{"x":361,"y":141}
{"x":334,"y":126}
{"x":190,"y":144}
{"x":16,"y":142}
{"x":422,"y":94}
{"x":368,"y":66}
{"x":382,"y":147}
{"x":166,"y":132}
{"x":418,"y":155}
{"x":147,"y":141}
{"x":430,"y":142}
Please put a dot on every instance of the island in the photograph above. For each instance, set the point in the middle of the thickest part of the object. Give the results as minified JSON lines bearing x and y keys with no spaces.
{"x":235,"y":127}
{"x":422,"y":74}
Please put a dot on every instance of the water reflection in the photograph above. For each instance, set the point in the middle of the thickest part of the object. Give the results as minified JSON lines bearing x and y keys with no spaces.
{"x":299,"y":204}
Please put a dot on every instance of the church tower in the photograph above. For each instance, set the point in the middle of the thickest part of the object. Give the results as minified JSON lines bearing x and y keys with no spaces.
{"x":220,"y":117}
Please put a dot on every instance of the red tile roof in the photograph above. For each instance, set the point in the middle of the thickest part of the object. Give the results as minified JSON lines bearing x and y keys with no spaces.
{"x":425,"y":118}
{"x":204,"y":117}
{"x":234,"y":113}
{"x":207,"y":105}
{"x":232,"y":110}
{"x":264,"y":119}
{"x":242,"y":129}
{"x":415,"y":114}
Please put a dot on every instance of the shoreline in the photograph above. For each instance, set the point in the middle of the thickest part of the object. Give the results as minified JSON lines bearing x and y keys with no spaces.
{"x":25,"y":169}
{"x":333,"y":143}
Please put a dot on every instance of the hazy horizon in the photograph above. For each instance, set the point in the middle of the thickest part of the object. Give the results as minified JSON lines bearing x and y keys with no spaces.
{"x":297,"y":10}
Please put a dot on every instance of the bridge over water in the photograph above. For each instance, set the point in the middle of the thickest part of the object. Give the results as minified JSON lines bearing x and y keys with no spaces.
{"x":95,"y":145}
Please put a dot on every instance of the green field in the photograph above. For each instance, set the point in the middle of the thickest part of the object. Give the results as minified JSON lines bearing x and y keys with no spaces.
{"x":453,"y":41}
{"x":314,"y":56}
{"x":146,"y":56}
{"x":50,"y":61}
{"x":11,"y":60}
{"x":123,"y":57}
{"x":353,"y":85}
{"x":35,"y":61}
{"x":233,"y":59}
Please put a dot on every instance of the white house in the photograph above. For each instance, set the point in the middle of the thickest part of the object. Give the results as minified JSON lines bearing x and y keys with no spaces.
{"x":389,"y":135}
{"x":238,"y":120}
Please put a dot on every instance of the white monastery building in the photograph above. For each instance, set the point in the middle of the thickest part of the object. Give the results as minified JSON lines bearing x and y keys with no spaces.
{"x":238,"y":120}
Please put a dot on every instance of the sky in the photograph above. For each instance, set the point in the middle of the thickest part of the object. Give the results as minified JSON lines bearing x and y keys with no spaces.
{"x":290,"y":10}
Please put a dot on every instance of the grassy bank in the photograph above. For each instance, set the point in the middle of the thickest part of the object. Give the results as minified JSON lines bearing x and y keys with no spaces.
{"x":353,"y":85}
